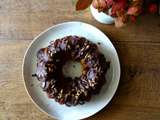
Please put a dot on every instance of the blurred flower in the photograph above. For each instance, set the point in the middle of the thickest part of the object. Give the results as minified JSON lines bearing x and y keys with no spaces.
{"x":109,"y":3}
{"x":135,"y":10}
{"x":121,"y":10}
{"x":101,"y":5}
{"x":118,"y":7}
{"x":152,"y":8}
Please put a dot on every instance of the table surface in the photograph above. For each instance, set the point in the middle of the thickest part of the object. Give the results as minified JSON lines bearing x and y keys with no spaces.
{"x":138,"y":46}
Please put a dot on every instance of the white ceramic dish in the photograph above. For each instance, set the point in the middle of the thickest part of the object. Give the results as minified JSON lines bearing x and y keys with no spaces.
{"x":97,"y":102}
{"x":101,"y":16}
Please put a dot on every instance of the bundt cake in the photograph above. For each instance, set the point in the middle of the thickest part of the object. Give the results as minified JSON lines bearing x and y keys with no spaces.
{"x":67,"y":90}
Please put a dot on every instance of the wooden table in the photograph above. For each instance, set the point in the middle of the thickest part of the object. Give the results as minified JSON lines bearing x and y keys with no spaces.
{"x":138,"y":45}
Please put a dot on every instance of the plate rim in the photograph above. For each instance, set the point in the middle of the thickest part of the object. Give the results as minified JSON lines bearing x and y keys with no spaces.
{"x":46,"y":30}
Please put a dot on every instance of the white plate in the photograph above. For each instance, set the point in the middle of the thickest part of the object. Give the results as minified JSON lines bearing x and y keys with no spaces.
{"x":97,"y":102}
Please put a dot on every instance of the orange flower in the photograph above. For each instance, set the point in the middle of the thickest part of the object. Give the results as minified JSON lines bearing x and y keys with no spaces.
{"x":122,"y":10}
{"x":135,"y":10}
{"x":118,"y":6}
{"x":101,"y":5}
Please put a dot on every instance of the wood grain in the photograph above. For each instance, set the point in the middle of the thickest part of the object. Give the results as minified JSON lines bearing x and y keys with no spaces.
{"x":138,"y":46}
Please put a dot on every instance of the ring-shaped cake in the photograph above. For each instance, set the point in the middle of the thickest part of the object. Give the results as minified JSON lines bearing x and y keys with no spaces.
{"x":67,"y":90}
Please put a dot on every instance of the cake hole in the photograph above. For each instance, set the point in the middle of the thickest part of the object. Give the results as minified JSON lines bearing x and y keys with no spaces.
{"x":72,"y":69}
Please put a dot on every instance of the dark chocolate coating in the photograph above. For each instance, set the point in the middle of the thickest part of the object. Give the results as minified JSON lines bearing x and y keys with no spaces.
{"x":71,"y":92}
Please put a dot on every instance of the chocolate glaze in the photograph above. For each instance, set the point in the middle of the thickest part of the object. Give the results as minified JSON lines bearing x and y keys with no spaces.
{"x":66,"y":90}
